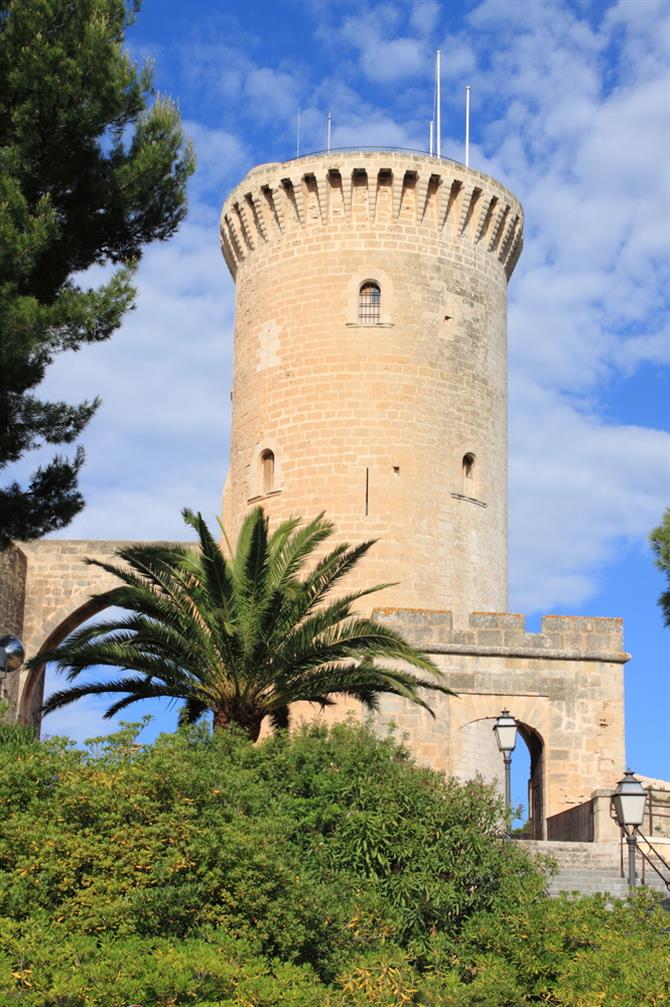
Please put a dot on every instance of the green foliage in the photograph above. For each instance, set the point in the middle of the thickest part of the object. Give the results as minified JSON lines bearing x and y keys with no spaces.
{"x":244,"y":637}
{"x":660,"y":544}
{"x":321,"y":869}
{"x":89,"y":173}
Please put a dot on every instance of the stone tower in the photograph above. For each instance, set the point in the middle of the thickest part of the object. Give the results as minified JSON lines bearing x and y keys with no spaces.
{"x":370,"y":369}
{"x":370,"y":382}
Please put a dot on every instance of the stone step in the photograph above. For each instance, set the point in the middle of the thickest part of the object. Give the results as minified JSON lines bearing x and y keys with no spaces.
{"x":590,"y":868}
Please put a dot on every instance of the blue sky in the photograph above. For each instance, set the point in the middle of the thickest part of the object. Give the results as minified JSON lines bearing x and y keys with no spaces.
{"x":569,"y":109}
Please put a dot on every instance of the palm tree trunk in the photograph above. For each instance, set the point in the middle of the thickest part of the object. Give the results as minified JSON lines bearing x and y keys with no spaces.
{"x":251,"y":725}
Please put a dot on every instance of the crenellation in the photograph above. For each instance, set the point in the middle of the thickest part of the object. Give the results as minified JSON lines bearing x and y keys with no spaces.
{"x":429,"y":197}
{"x":241,"y":212}
{"x":509,"y":237}
{"x":256,"y":206}
{"x":566,"y":637}
{"x":485,"y":218}
{"x":499,"y":229}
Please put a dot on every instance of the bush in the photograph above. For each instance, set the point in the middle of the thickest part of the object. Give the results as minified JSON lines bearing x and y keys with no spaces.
{"x":312,"y":869}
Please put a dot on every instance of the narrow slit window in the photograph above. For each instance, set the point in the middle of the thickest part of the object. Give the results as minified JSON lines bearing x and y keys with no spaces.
{"x":468,"y":470}
{"x":267,"y":471}
{"x":369,"y":303}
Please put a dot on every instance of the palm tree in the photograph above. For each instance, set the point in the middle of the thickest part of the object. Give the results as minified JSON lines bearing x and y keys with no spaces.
{"x":240,"y":637}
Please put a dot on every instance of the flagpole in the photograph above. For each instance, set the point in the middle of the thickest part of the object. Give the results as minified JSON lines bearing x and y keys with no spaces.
{"x":438,"y":114}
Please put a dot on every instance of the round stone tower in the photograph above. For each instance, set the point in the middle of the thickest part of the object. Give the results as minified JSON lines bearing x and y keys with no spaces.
{"x":370,"y":367}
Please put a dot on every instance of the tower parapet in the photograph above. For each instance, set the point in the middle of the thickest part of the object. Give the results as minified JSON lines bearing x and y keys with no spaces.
{"x":466,"y":206}
{"x":370,"y":371}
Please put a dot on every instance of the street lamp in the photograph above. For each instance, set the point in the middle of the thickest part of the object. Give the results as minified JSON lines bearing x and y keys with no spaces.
{"x":11,"y":655}
{"x":629,"y":801}
{"x":505,"y":732}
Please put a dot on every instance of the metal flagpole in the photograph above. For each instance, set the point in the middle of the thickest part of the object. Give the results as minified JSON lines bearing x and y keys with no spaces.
{"x":438,"y":116}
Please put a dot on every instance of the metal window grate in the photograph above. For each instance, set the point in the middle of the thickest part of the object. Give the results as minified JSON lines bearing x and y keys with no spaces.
{"x":369,"y":304}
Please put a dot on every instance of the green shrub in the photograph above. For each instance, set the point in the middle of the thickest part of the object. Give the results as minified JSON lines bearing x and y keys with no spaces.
{"x":321,"y":868}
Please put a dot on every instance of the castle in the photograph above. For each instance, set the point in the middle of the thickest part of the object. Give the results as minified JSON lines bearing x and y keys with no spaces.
{"x":370,"y":382}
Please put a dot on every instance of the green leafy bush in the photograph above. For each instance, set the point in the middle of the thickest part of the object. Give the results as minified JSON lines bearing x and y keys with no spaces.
{"x":321,"y":868}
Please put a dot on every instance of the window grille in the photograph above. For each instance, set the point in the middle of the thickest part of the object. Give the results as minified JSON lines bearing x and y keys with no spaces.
{"x":369,"y":304}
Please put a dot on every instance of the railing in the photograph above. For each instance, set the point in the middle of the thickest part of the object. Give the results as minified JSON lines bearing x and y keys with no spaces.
{"x":657,"y":814}
{"x":646,"y":859}
{"x":381,"y":150}
{"x":575,"y":825}
{"x":661,"y":869}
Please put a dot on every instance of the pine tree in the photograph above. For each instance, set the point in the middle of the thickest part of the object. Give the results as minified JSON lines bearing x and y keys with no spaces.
{"x":90,"y":171}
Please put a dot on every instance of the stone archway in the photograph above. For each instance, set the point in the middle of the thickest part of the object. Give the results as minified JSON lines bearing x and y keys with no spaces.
{"x":475,"y":753}
{"x":537,"y":819}
{"x":59,"y":588}
{"x":32,"y":693}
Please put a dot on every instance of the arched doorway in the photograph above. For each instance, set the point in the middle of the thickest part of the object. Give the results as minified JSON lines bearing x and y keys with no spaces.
{"x":476,"y":754}
{"x":537,"y":824}
{"x":84,"y":718}
{"x":32,"y":695}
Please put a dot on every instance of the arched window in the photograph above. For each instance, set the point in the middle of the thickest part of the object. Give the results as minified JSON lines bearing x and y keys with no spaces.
{"x":267,"y":464}
{"x":468,"y":469}
{"x":369,"y":303}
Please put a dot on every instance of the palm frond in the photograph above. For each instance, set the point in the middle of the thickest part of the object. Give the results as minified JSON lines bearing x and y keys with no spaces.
{"x":135,"y":687}
{"x":192,"y":711}
{"x":243,"y":635}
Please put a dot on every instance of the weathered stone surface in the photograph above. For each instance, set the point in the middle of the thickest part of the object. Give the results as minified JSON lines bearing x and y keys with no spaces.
{"x":58,"y":590}
{"x":372,"y":422}
{"x":12,"y":598}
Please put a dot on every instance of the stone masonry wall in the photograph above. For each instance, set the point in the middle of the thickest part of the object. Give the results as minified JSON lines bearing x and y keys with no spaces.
{"x":564,"y":684}
{"x":12,"y":598}
{"x":12,"y":590}
{"x":59,"y":586}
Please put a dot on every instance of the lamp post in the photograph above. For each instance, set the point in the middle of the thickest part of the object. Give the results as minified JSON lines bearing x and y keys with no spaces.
{"x":11,"y":657}
{"x":629,"y":801}
{"x":505,"y":732}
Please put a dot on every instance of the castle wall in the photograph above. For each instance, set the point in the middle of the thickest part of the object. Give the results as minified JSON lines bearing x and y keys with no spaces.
{"x":565,"y":684}
{"x":12,"y":599}
{"x":58,"y":590}
{"x":371,"y":422}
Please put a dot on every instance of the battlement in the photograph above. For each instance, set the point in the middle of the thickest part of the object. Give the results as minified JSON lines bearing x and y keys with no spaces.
{"x":562,"y":637}
{"x":368,"y":189}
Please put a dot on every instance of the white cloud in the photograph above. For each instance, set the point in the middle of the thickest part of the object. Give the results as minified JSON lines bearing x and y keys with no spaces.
{"x":424,"y":16}
{"x":457,"y":59}
{"x":220,"y":155}
{"x":384,"y":58}
{"x":569,"y":110}
{"x":271,"y":94}
{"x":580,"y":490}
{"x":387,"y":60}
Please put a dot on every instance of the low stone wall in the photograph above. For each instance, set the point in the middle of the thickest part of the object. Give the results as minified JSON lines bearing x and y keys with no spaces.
{"x":562,"y":637}
{"x":592,"y":821}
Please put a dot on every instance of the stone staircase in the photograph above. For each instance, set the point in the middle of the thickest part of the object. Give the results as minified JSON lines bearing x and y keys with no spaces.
{"x":589,"y":868}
